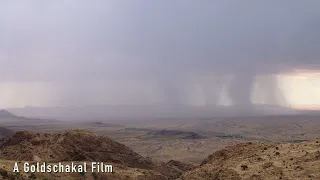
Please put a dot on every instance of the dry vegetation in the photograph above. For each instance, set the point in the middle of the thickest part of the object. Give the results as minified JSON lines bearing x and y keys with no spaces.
{"x":253,"y":160}
{"x":280,"y":148}
{"x":261,"y":161}
{"x":80,"y":145}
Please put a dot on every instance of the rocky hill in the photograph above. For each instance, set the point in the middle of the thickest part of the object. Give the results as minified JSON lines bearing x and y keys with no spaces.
{"x":246,"y":161}
{"x":259,"y":161}
{"x":5,"y":132}
{"x":69,"y":146}
{"x":80,"y":145}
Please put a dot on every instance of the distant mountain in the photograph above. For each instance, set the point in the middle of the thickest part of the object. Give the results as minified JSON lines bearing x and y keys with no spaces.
{"x":9,"y":119}
{"x":97,"y":112}
{"x":6,"y":114}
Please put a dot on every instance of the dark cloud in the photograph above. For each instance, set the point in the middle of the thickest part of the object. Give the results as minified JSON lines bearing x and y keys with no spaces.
{"x":163,"y":41}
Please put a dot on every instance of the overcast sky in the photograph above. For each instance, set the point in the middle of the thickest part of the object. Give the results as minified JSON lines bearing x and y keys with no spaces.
{"x":77,"y":52}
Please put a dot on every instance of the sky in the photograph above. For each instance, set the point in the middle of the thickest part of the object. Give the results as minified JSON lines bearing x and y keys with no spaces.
{"x":210,"y":52}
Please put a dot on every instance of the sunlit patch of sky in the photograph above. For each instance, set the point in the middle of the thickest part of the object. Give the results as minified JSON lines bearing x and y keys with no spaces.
{"x":301,"y":90}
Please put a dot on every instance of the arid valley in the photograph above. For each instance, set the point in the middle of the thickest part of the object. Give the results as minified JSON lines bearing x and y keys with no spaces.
{"x":217,"y":148}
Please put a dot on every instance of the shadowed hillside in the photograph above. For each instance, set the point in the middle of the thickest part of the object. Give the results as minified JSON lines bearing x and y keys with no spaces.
{"x":80,"y":145}
{"x":69,"y":146}
{"x":4,"y":132}
{"x":5,"y":114}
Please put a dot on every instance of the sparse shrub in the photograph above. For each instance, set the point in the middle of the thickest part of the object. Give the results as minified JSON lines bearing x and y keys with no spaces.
{"x":208,"y":174}
{"x":12,"y":177}
{"x":297,"y":141}
{"x":32,"y":176}
{"x":230,"y":136}
{"x":83,"y":175}
{"x":267,"y":165}
{"x":277,"y":153}
{"x":244,"y":167}
{"x":94,"y":175}
{"x":3,"y":173}
{"x":35,"y":142}
{"x":298,"y":167}
{"x":255,"y":176}
{"x":318,"y":154}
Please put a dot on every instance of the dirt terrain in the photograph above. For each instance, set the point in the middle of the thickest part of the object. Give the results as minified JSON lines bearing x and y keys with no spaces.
{"x":84,"y":146}
{"x":186,"y":140}
{"x":251,"y":160}
{"x":171,"y":149}
{"x":260,"y":161}
{"x":190,"y":141}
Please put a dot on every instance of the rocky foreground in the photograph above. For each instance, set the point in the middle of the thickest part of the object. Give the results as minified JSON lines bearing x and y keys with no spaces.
{"x":84,"y":146}
{"x":258,"y":161}
{"x":243,"y":161}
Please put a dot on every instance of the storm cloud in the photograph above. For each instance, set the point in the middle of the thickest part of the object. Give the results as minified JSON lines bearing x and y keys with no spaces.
{"x":81,"y":45}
